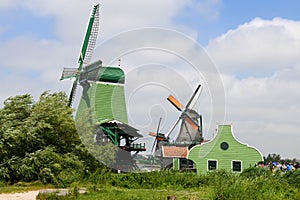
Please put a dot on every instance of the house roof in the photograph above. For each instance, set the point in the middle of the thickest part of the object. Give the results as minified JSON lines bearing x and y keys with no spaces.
{"x":174,"y":152}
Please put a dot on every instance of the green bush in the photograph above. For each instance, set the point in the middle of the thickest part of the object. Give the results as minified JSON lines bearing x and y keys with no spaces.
{"x":253,"y":172}
{"x":45,"y":165}
{"x":293,"y":178}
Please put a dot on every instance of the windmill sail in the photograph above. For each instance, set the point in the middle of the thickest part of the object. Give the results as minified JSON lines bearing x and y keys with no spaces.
{"x":90,"y":37}
{"x":87,"y":48}
{"x":68,"y":73}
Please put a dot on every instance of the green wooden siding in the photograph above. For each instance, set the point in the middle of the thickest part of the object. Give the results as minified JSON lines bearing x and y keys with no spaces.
{"x":110,"y":103}
{"x":176,"y":163}
{"x":107,"y":102}
{"x":212,"y":150}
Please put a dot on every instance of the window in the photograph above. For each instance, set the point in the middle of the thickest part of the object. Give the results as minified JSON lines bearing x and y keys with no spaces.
{"x":186,"y":164}
{"x":212,"y":165}
{"x":237,"y":166}
{"x":224,"y":146}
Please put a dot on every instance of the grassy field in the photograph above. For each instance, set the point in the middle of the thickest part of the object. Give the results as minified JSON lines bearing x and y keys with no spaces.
{"x":253,"y":184}
{"x":129,"y":194}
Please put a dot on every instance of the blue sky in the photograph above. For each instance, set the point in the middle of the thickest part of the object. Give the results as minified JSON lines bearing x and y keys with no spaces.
{"x":22,"y":22}
{"x":253,"y":44}
{"x":232,"y":13}
{"x":219,"y":17}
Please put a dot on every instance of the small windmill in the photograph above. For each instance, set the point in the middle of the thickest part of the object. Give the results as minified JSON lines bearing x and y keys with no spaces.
{"x":159,"y":137}
{"x":86,"y":53}
{"x":190,"y":132}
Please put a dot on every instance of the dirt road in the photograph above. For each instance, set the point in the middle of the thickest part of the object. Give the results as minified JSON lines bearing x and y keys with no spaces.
{"x":30,"y":195}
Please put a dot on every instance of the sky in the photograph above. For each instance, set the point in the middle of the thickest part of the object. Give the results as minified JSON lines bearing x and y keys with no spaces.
{"x":245,"y":55}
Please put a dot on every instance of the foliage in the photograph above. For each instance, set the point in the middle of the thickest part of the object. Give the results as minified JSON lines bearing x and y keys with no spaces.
{"x":277,"y":158}
{"x":39,"y":141}
{"x":259,"y":186}
{"x":254,"y":172}
{"x":253,"y":183}
{"x":272,"y":157}
{"x":293,"y":178}
{"x":85,"y":126}
{"x":150,"y":180}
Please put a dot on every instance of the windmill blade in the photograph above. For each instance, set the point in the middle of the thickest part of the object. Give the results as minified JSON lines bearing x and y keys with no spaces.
{"x":90,"y":37}
{"x":68,"y":73}
{"x":187,"y":131}
{"x":193,"y":96}
{"x":158,"y":125}
{"x":154,"y":146}
{"x":175,"y":102}
{"x":157,"y":131}
{"x":93,"y":66}
{"x":157,"y":136}
{"x":192,"y":122}
{"x":91,"y":72}
{"x":173,"y":127}
{"x":73,"y":91}
{"x":152,"y":134}
{"x":87,"y":48}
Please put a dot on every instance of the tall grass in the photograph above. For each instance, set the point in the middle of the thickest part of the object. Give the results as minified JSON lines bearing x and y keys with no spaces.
{"x":253,"y":183}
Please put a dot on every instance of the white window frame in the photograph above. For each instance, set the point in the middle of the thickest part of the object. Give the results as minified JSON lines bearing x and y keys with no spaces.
{"x":208,"y":164}
{"x":241,"y":166}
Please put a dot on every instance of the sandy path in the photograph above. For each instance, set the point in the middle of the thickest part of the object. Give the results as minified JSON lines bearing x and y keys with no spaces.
{"x":30,"y":195}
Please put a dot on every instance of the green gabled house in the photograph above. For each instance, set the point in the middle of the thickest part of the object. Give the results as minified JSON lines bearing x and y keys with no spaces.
{"x":224,"y":151}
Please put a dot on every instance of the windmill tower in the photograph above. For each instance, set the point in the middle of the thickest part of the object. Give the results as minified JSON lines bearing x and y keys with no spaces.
{"x":102,"y":105}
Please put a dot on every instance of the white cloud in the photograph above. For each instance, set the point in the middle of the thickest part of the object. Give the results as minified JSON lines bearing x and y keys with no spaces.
{"x":262,"y":98}
{"x":31,"y":54}
{"x":4,"y":4}
{"x":264,"y":112}
{"x":259,"y":47}
{"x":260,"y":65}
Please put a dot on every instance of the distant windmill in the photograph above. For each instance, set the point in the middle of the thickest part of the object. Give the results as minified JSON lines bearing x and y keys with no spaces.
{"x":190,"y":132}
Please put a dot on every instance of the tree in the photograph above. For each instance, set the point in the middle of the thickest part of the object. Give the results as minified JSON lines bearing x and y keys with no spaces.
{"x":53,"y":122}
{"x":39,"y":141}
{"x":27,"y":127}
{"x":13,"y":126}
{"x":272,"y":158}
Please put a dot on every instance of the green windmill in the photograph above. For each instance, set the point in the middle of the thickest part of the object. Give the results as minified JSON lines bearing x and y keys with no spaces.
{"x":102,"y":103}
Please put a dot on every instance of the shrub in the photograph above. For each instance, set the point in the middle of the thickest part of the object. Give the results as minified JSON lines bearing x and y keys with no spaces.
{"x":253,"y":172}
{"x":293,"y":178}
